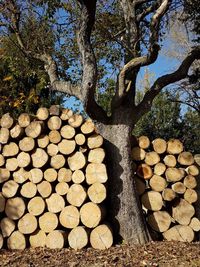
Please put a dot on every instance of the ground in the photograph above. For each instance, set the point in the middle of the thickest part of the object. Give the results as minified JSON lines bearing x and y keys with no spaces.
{"x":162,"y":254}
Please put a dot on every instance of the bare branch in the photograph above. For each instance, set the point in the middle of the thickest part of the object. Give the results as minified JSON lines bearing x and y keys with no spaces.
{"x":147,"y":11}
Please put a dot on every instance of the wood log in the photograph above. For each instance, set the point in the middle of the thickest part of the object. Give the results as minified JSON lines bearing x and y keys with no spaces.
{"x":57,"y":161}
{"x":170,"y":160}
{"x":101,"y":237}
{"x":174,"y":146}
{"x":95,"y":141}
{"x":15,"y":208}
{"x":66,"y":114}
{"x":34,"y":129}
{"x":54,"y":123}
{"x":190,"y":195}
{"x":76,"y":195}
{"x":195,"y":224}
{"x":6,"y":121}
{"x":62,"y":188}
{"x":197,"y":159}
{"x":179,"y":233}
{"x":37,"y":239}
{"x":48,"y":222}
{"x":55,"y":240}
{"x":80,"y":139}
{"x":16,"y":132}
{"x":140,"y":185}
{"x":54,"y":110}
{"x":159,"y":145}
{"x":78,"y":177}
{"x":77,"y":161}
{"x":42,"y":114}
{"x":66,"y":147}
{"x":67,"y":132}
{"x":2,"y":202}
{"x":97,"y":193}
{"x":43,"y":141}
{"x":88,"y":127}
{"x":11,"y":164}
{"x":69,"y":217}
{"x":83,"y":149}
{"x":152,"y":200}
{"x":39,"y":158}
{"x":50,"y":175}
{"x":78,"y":238}
{"x":179,"y":188}
{"x":55,"y":203}
{"x":27,"y":224}
{"x":144,"y":171}
{"x":16,"y":241}
{"x":36,"y":175}
{"x":52,"y":150}
{"x":143,"y":142}
{"x":4,"y":135}
{"x":10,"y":150}
{"x":138,"y":153}
{"x":190,"y":181}
{"x":24,"y":120}
{"x":96,"y":155}
{"x":64,"y":175}
{"x":75,"y":120}
{"x":36,"y":206}
{"x":4,"y":175}
{"x":44,"y":188}
{"x":20,"y":176}
{"x":159,"y":168}
{"x":186,"y":158}
{"x":174,"y":174}
{"x":1,"y":241}
{"x":9,"y":189}
{"x":97,"y":214}
{"x":7,"y":226}
{"x":182,"y":212}
{"x":192,"y":170}
{"x":54,"y":137}
{"x":157,"y":183}
{"x":28,"y":190}
{"x":2,"y":160}
{"x":152,"y":158}
{"x":23,"y":159}
{"x":168,"y":194}
{"x":159,"y":221}
{"x":27,"y":144}
{"x":96,"y":172}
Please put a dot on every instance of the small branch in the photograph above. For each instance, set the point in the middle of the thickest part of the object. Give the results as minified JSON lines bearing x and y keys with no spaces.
{"x":147,"y":11}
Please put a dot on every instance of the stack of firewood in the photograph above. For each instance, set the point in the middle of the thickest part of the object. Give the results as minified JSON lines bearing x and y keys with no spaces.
{"x":52,"y":182}
{"x":165,"y":178}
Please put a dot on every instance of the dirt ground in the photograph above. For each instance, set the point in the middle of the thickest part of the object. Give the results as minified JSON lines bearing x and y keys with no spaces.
{"x":162,"y":254}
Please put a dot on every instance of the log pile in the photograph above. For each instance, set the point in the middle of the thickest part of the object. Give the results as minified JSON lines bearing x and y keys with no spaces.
{"x":52,"y":182}
{"x":166,"y":181}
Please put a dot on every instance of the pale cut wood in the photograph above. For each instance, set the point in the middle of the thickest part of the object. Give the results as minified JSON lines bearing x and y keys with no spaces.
{"x":144,"y":171}
{"x":4,"y":175}
{"x":24,"y":120}
{"x":2,"y":160}
{"x":57,"y":161}
{"x":168,"y":194}
{"x":78,"y":177}
{"x":10,"y":150}
{"x":7,"y":226}
{"x":50,"y":175}
{"x":11,"y":164}
{"x":17,"y":131}
{"x":96,"y":155}
{"x":179,"y":187}
{"x":16,"y":241}
{"x":83,"y":149}
{"x":66,"y":114}
{"x":52,"y":150}
{"x":37,"y":239}
{"x":62,"y":188}
{"x":192,"y":170}
{"x":36,"y":175}
{"x":101,"y":237}
{"x":174,"y":146}
{"x":21,"y":176}
{"x":97,"y":214}
{"x":66,"y":147}
{"x":54,"y":123}
{"x":88,"y":127}
{"x":27,"y":144}
{"x":34,"y":129}
{"x":55,"y":203}
{"x":170,"y":160}
{"x":27,"y":224}
{"x":48,"y":222}
{"x":78,"y":238}
{"x":77,"y":161}
{"x":143,"y":142}
{"x":190,"y":181}
{"x":43,"y":141}
{"x":195,"y":224}
{"x":152,"y":200}
{"x":159,"y":145}
{"x":39,"y":158}
{"x":197,"y":159}
{"x":69,"y":217}
{"x":9,"y":189}
{"x":67,"y":132}
{"x":28,"y":190}
{"x":54,"y":136}
{"x":64,"y":175}
{"x":76,"y":195}
{"x":182,"y":212}
{"x":75,"y":120}
{"x":174,"y":174}
{"x":36,"y":206}
{"x":140,"y":185}
{"x":152,"y":158}
{"x":44,"y":188}
{"x":6,"y":121}
{"x":15,"y":208}
{"x":4,"y":135}
{"x":2,"y":202}
{"x":97,"y":193}
{"x":190,"y":195}
{"x":80,"y":139}
{"x":42,"y":114}
{"x":186,"y":158}
{"x":55,"y":240}
{"x":95,"y":141}
{"x":159,"y":221}
{"x":179,"y":233}
{"x":159,"y":168}
{"x":54,"y":110}
{"x":23,"y":159}
{"x":138,"y":153}
{"x":96,"y":172}
{"x":1,"y":241}
{"x":157,"y":183}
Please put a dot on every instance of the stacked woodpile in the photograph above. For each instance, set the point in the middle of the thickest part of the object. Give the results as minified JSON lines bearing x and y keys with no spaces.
{"x":52,"y":182}
{"x":165,"y":177}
